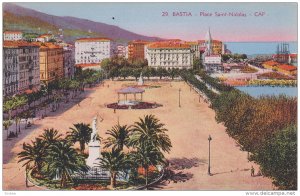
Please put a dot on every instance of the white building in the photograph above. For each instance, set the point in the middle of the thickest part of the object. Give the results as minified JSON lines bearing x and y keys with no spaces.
{"x":45,"y":38}
{"x":213,"y":62}
{"x":21,"y":67}
{"x":92,"y":50}
{"x":12,"y":35}
{"x":169,"y":55}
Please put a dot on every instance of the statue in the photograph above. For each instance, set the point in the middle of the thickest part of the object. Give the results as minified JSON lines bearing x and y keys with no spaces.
{"x":141,"y":82}
{"x":94,"y":145}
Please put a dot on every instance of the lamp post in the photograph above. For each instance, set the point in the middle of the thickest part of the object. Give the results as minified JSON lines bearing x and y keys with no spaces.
{"x":209,"y":139}
{"x":179,"y":97}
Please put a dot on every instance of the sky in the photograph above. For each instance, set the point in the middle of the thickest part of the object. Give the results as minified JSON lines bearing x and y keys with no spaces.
{"x":274,"y":21}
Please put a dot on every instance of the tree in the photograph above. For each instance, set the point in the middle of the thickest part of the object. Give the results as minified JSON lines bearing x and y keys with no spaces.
{"x":115,"y":162}
{"x":196,"y":63}
{"x":119,"y":137}
{"x":151,"y":130}
{"x":81,"y":133}
{"x":50,"y":136}
{"x":6,"y":125}
{"x":62,"y":161}
{"x":146,"y":155}
{"x":278,"y":158}
{"x":33,"y":155}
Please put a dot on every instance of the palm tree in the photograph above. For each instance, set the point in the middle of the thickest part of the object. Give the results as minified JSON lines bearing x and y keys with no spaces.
{"x":62,"y":161}
{"x":150,"y":129}
{"x":50,"y":136}
{"x":114,"y":161}
{"x":33,"y":155}
{"x":81,"y":133}
{"x":146,"y":155}
{"x":119,"y":137}
{"x":9,"y":105}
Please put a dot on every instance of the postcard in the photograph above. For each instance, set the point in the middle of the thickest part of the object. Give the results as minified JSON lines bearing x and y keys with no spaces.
{"x":149,"y":96}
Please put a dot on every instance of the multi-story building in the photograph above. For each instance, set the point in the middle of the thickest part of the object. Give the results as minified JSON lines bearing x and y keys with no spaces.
{"x":51,"y":62}
{"x":195,"y":49}
{"x":217,"y":46}
{"x":69,"y":60}
{"x":169,"y":55}
{"x":121,"y":51}
{"x":93,"y":50}
{"x":45,"y":38}
{"x":12,"y":35}
{"x":21,"y":67}
{"x":136,"y":50}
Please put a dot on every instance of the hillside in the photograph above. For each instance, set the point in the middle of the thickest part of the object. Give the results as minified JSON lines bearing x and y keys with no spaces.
{"x":18,"y":18}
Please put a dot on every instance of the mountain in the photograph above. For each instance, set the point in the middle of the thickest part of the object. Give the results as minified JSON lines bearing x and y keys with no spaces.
{"x":19,"y":18}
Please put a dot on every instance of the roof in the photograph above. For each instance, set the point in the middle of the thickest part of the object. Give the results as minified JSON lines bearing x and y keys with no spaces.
{"x":130,"y":90}
{"x":17,"y":44}
{"x":270,"y":63}
{"x":287,"y":67}
{"x":138,"y":42}
{"x":13,"y":32}
{"x":168,"y":45}
{"x":45,"y":35}
{"x":293,"y":55}
{"x":95,"y":39}
{"x":47,"y":45}
{"x":214,"y":41}
{"x":87,"y":65}
{"x":192,"y":43}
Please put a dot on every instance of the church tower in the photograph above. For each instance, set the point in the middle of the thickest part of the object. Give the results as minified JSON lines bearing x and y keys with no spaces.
{"x":208,"y":43}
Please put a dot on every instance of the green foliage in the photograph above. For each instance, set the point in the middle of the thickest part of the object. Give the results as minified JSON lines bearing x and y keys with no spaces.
{"x":62,"y":161}
{"x":149,"y":129}
{"x":119,"y":137}
{"x":278,"y":158}
{"x":81,"y":133}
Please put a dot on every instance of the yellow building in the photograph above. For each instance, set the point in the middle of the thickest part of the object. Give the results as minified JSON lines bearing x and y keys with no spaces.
{"x":51,"y":62}
{"x":216,"y":46}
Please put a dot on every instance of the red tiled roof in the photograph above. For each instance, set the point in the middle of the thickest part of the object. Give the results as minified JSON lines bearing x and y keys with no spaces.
{"x":270,"y":63}
{"x":13,"y":32}
{"x":87,"y":65}
{"x":287,"y":67}
{"x":93,"y":39}
{"x":138,"y":42}
{"x":45,"y":35}
{"x":168,"y":45}
{"x":16,"y":44}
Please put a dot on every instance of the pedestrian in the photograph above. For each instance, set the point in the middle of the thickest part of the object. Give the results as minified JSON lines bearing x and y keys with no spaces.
{"x":114,"y":110}
{"x":252,"y":171}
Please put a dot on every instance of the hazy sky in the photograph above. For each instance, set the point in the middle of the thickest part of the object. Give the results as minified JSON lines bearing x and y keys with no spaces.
{"x":279,"y":22}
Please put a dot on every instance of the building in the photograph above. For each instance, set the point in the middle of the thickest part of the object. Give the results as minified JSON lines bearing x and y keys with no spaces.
{"x":21,"y":71}
{"x":195,"y":49}
{"x":121,"y":51}
{"x":136,"y":50}
{"x":93,"y":50}
{"x":270,"y":64}
{"x":12,"y":35}
{"x":69,"y":61}
{"x":213,"y":63}
{"x":51,"y":62}
{"x":45,"y":38}
{"x":211,"y":46}
{"x":287,"y":69}
{"x":169,"y":55}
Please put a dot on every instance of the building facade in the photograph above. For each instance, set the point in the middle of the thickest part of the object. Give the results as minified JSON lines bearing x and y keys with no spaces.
{"x":136,"y":50}
{"x":12,"y":35}
{"x":93,"y":50}
{"x":169,"y":55}
{"x":69,"y":61}
{"x":51,"y":62}
{"x":195,"y":49}
{"x":21,"y":67}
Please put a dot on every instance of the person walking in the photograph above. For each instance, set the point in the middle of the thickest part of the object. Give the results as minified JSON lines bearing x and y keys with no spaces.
{"x":252,"y":171}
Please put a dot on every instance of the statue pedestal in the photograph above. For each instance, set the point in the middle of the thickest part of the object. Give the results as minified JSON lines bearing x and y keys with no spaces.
{"x":94,"y":154}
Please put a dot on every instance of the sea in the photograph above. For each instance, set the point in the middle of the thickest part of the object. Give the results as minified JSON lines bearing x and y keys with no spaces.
{"x":256,"y":91}
{"x":258,"y":48}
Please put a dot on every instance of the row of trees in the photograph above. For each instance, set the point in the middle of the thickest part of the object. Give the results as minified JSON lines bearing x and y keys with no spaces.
{"x":264,"y":126}
{"x":51,"y":156}
{"x":24,"y":105}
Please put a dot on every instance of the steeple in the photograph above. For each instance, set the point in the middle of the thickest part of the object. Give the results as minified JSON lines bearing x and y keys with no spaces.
{"x":208,"y":43}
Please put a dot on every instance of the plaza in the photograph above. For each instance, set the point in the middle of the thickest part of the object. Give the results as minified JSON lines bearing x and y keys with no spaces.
{"x":189,"y":127}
